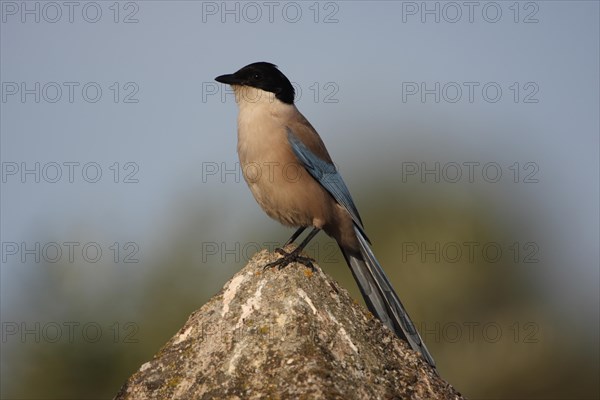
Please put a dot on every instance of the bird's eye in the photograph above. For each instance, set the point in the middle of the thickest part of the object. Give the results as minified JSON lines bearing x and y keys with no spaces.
{"x":256,"y":76}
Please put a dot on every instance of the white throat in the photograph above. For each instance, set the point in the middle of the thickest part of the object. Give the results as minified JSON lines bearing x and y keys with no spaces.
{"x":258,"y":106}
{"x":246,"y":96}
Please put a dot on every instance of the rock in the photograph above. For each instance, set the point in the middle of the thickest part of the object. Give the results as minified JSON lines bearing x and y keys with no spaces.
{"x":284,"y":334}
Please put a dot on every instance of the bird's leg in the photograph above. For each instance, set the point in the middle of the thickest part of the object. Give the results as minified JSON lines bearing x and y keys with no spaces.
{"x":294,"y":236}
{"x":295,"y":254}
{"x":291,"y":240}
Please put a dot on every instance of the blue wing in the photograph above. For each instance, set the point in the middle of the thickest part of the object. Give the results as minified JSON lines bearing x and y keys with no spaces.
{"x":374,"y":285}
{"x":327,"y":175}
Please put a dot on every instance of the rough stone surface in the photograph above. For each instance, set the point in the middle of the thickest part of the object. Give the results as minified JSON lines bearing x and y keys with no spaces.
{"x":284,"y":334}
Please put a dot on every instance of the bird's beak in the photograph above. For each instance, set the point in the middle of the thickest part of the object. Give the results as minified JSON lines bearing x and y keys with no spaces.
{"x":230,"y":79}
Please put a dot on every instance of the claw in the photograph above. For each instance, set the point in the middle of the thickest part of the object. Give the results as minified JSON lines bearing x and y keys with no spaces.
{"x":288,"y":258}
{"x":281,"y":251}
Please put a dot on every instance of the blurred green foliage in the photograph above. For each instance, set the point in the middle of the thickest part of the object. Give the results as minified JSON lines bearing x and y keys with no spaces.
{"x":489,"y":325}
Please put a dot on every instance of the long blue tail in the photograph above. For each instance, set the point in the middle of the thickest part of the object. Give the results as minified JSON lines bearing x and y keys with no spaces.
{"x":380,"y":297}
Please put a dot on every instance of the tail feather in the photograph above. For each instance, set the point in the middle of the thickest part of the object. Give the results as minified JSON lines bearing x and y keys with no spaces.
{"x":380,"y":297}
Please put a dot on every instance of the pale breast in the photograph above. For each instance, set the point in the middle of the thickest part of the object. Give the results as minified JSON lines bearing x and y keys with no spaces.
{"x":278,"y":182}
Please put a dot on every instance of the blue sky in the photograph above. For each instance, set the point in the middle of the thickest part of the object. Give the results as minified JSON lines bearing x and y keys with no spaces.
{"x":127,"y":91}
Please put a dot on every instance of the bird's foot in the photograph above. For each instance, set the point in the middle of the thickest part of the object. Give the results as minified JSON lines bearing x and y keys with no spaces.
{"x":288,"y":258}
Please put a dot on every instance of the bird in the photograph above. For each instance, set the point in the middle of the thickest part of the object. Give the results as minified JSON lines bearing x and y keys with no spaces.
{"x":294,"y":180}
